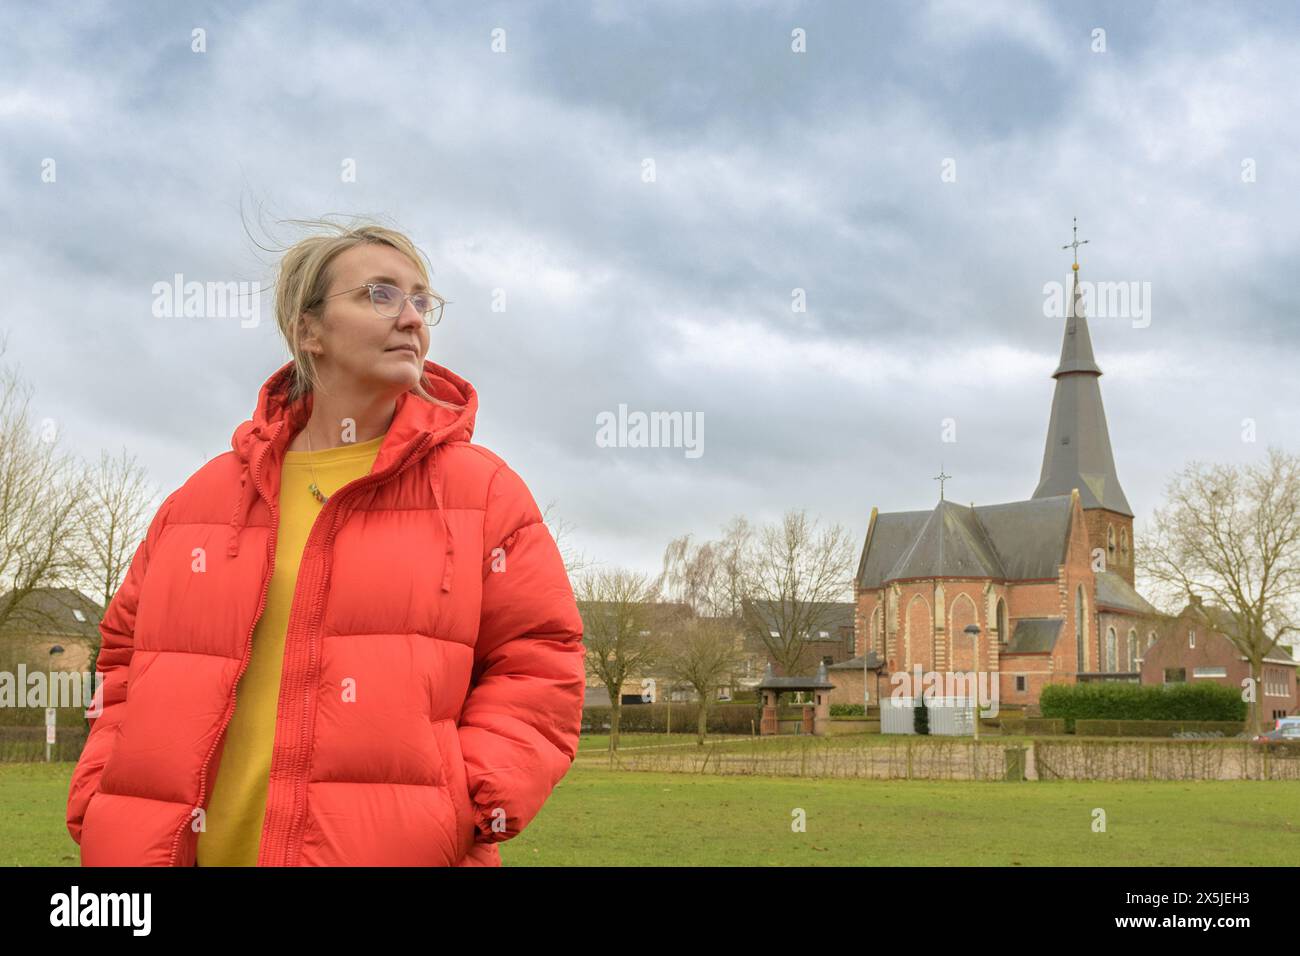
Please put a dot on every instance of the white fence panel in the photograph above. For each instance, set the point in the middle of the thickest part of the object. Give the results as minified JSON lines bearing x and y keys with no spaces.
{"x":949,"y":716}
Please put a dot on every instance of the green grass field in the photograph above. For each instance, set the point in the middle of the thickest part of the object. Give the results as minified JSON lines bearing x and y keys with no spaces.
{"x":598,"y":817}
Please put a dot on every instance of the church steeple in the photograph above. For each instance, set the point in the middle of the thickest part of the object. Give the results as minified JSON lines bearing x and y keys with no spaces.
{"x":1078,"y":453}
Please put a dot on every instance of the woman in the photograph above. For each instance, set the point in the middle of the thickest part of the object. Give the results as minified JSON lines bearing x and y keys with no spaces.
{"x":350,"y":640}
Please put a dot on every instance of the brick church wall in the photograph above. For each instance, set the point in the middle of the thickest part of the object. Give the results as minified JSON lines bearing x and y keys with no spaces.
{"x":1099,"y":523}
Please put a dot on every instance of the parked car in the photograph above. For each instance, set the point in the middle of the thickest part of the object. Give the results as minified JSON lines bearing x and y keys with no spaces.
{"x":1284,"y":741}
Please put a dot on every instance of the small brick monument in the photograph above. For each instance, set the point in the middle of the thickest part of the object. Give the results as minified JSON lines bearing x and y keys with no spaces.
{"x":815,"y":715}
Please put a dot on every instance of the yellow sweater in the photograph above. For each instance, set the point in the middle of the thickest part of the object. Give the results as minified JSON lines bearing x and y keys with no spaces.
{"x":232,"y":831}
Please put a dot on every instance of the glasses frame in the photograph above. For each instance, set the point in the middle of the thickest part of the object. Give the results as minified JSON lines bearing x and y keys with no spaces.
{"x":406,"y":297}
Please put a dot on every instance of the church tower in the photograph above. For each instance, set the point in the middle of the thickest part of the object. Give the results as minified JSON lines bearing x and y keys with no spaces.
{"x":1078,"y":453}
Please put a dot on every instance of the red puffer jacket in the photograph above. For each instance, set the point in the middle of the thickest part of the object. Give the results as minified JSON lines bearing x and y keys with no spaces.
{"x":430,"y":588}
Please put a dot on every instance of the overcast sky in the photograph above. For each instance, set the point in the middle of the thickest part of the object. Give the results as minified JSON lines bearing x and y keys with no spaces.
{"x":914,"y":172}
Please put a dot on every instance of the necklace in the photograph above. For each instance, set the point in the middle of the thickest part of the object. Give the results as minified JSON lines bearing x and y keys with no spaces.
{"x":315,"y":490}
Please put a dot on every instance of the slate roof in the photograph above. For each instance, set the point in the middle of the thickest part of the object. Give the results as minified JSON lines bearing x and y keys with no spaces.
{"x":855,"y":663}
{"x":818,"y":682}
{"x":1034,"y":635}
{"x":53,"y":612}
{"x":1280,"y":654}
{"x":1114,"y":591}
{"x":951,"y":543}
{"x":1016,"y":541}
{"x":1078,"y":452}
{"x":657,"y":614}
{"x":829,"y":616}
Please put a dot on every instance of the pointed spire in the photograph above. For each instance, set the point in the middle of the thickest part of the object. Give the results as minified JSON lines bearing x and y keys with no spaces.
{"x":1076,"y":349}
{"x":1078,"y":452}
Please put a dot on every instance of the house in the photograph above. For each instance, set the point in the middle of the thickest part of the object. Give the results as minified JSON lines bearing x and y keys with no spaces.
{"x":825,"y":628}
{"x":53,"y":629}
{"x":1195,"y":648}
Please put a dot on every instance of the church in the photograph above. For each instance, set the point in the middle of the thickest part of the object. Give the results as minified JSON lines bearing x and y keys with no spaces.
{"x":1048,"y":580}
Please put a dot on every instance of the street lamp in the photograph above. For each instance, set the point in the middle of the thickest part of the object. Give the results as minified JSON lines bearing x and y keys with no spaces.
{"x":974,"y":631}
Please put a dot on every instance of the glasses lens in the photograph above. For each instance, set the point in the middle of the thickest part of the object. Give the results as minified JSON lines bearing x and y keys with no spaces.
{"x":428,"y":305}
{"x":388,"y":300}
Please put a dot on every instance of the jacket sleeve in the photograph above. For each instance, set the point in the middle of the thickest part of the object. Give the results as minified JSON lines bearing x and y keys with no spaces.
{"x":117,"y":638}
{"x":520,"y":722}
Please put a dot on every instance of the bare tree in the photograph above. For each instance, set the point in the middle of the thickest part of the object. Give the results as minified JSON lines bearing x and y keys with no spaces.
{"x":733,"y":552}
{"x":709,"y":577}
{"x":1232,"y":535}
{"x":575,"y":562}
{"x":791,"y":578}
{"x":702,"y":653}
{"x":40,"y":487}
{"x":619,"y":631}
{"x":685,"y":573}
{"x":112,"y":520}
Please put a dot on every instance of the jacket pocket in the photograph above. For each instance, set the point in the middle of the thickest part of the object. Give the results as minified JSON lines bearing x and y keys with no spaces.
{"x":456,"y":781}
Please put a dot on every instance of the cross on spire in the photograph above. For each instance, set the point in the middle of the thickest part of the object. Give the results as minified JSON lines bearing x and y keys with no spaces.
{"x":941,"y":478}
{"x":1076,"y":244}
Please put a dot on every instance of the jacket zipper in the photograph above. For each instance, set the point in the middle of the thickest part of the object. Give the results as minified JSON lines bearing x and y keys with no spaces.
{"x":300,"y":770}
{"x":243,"y":664}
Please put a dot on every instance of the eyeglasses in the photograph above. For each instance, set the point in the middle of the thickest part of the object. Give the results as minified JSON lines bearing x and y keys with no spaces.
{"x":389,"y":301}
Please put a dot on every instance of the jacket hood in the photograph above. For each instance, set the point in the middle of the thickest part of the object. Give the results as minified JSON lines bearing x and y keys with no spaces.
{"x":418,"y":429}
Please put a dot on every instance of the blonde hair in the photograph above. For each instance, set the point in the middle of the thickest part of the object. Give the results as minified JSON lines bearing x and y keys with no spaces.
{"x":304,"y":276}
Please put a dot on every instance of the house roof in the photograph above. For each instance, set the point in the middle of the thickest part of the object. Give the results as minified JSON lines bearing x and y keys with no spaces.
{"x":828,"y":616}
{"x":1078,"y":452}
{"x":1113,"y":591}
{"x":1034,"y":635}
{"x":855,"y":663}
{"x":1017,"y":541}
{"x":54,"y":612}
{"x":1281,"y":654}
{"x":1223,"y":622}
{"x":658,"y":614}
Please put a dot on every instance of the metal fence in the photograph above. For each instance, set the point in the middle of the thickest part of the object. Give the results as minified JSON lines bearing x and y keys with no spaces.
{"x":27,"y":744}
{"x":948,"y":716}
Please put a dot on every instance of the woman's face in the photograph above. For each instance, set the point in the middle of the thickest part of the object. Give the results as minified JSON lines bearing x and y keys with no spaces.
{"x":352,"y":342}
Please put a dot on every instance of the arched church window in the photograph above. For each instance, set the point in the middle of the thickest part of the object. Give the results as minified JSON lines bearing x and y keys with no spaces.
{"x":1123,"y":544}
{"x":1003,"y":636}
{"x":1111,"y":640}
{"x":1110,"y":542}
{"x":1132,"y":650}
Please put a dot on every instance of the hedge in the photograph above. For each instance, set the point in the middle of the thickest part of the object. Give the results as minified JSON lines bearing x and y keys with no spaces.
{"x":1155,"y":728}
{"x":1029,"y":726}
{"x":1122,"y":701}
{"x":724,"y":718}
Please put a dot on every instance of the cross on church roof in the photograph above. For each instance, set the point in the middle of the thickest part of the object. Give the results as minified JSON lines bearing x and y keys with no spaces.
{"x":1076,"y":244}
{"x":941,"y":478}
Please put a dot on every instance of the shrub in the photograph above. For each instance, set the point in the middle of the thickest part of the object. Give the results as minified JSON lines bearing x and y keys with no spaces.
{"x":1122,"y":701}
{"x":724,"y":718}
{"x":920,"y":717}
